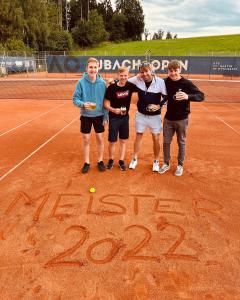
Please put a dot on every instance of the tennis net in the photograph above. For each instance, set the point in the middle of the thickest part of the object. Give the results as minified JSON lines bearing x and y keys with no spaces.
{"x":63,"y":89}
{"x":38,"y":89}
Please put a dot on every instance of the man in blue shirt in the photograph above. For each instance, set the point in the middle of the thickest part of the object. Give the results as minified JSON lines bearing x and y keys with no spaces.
{"x":89,"y":96}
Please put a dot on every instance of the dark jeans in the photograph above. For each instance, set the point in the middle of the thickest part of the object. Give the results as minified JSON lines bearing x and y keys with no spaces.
{"x":169,"y":128}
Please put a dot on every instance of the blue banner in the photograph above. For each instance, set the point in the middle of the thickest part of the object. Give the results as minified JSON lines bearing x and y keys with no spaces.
{"x":110,"y":64}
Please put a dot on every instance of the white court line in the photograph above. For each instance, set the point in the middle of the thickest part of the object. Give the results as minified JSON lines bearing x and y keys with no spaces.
{"x":220,"y":119}
{"x":231,"y":104}
{"x":35,"y":151}
{"x":214,"y":80}
{"x":38,"y":116}
{"x":39,"y":79}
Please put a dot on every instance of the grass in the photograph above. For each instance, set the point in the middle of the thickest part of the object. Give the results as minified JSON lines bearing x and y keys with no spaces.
{"x":225,"y":45}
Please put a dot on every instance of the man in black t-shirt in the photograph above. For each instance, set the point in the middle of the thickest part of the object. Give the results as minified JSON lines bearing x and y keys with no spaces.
{"x":180,"y":91}
{"x":117,"y":101}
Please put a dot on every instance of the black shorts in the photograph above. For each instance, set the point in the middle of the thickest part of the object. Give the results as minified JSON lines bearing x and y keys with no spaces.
{"x":118,"y":126}
{"x":87,"y":122}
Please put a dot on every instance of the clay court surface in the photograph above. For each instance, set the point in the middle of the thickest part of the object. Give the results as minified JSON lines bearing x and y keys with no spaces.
{"x":142,"y":235}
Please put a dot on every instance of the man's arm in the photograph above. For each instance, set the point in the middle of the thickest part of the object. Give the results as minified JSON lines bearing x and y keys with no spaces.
{"x":107,"y":105}
{"x":164,"y":95}
{"x":134,"y":79}
{"x":164,"y":100}
{"x":195,"y":94}
{"x":77,"y":96}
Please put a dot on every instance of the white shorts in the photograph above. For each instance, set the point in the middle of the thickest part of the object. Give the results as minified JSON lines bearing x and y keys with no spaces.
{"x":154,"y":123}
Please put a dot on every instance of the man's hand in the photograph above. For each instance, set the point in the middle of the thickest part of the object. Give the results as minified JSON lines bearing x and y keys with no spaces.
{"x":153,"y":107}
{"x":105,"y":122}
{"x":110,"y":81}
{"x":181,"y":96}
{"x":87,"y":105}
{"x":117,"y":111}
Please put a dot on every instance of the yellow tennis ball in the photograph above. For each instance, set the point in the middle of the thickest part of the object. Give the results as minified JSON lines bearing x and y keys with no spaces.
{"x":92,"y":190}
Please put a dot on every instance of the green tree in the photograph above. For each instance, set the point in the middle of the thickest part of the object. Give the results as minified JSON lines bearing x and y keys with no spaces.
{"x":80,"y":10}
{"x":18,"y":46}
{"x":92,"y":32}
{"x":11,"y":20}
{"x":37,"y":24}
{"x":158,"y":35}
{"x":133,"y":11}
{"x":42,"y":28}
{"x":60,"y":40}
{"x":168,"y":35}
{"x":79,"y":34}
{"x":96,"y":31}
{"x":105,"y":9}
{"x":117,"y":27}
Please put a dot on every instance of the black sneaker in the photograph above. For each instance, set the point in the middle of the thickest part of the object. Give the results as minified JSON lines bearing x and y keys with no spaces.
{"x":85,"y":168}
{"x":101,"y":166}
{"x":122,"y":165}
{"x":110,"y":164}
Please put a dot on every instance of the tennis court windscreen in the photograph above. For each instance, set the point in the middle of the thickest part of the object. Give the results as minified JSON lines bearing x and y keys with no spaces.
{"x":39,"y":89}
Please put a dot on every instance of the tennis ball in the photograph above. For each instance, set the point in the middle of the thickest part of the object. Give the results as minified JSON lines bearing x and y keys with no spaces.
{"x":92,"y":190}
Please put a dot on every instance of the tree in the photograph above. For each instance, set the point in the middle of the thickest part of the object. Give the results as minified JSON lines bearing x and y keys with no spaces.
{"x":34,"y":22}
{"x":60,"y":10}
{"x":133,"y":11}
{"x":80,"y":10}
{"x":60,"y":40}
{"x":168,"y":35}
{"x":105,"y":9}
{"x":66,"y":16}
{"x":117,"y":27}
{"x":11,"y":20}
{"x":146,"y":33}
{"x":92,"y":32}
{"x":158,"y":35}
{"x":79,"y":34}
{"x":96,"y":31}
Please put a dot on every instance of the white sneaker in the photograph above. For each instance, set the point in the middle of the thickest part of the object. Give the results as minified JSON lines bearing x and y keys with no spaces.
{"x":164,"y":168}
{"x":179,"y":171}
{"x":133,"y":164}
{"x":155,"y":166}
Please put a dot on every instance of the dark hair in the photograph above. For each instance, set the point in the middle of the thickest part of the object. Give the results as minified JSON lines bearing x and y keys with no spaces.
{"x":145,"y":65}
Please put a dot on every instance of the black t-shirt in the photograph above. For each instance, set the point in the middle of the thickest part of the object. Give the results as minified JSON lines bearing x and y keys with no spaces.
{"x":179,"y":110}
{"x":148,"y":83}
{"x":120,"y":96}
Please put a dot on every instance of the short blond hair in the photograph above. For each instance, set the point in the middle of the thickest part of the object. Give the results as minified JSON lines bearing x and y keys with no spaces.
{"x":123,"y":69}
{"x":174,"y":64}
{"x":92,"y":59}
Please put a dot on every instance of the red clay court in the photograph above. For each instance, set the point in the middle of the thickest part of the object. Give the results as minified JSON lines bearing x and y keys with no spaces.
{"x":142,"y":235}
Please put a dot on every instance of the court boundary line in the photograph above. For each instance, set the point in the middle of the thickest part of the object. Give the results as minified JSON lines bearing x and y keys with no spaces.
{"x":35,"y":118}
{"x":38,"y":79}
{"x":231,"y":104}
{"x":214,"y":80}
{"x":36,"y":150}
{"x":220,"y":119}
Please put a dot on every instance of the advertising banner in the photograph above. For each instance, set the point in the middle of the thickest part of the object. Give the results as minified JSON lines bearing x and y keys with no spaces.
{"x":110,"y":64}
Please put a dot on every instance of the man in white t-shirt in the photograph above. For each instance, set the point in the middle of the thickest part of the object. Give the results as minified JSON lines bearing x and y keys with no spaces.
{"x":151,"y":91}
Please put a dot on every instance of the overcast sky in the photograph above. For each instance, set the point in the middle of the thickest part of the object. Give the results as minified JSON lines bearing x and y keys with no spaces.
{"x":189,"y":18}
